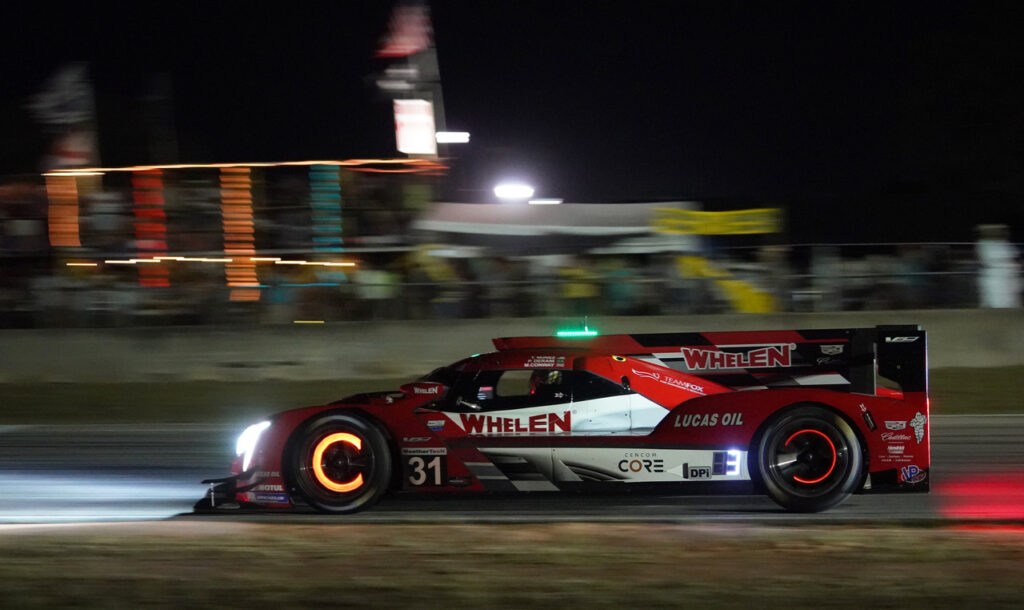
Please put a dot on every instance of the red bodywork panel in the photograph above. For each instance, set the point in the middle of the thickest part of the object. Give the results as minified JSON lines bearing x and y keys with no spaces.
{"x":700,"y":411}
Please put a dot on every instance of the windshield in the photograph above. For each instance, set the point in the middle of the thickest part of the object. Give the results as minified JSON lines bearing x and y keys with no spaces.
{"x":444,"y":375}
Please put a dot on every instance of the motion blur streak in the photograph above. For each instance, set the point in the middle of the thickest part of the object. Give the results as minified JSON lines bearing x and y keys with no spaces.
{"x":984,"y":496}
{"x":136,"y":471}
{"x":427,"y":164}
{"x":107,"y":472}
{"x":150,"y":224}
{"x":63,"y":216}
{"x":47,"y":496}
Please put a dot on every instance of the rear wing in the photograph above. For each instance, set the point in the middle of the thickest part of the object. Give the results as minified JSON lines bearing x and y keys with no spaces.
{"x":846,"y":359}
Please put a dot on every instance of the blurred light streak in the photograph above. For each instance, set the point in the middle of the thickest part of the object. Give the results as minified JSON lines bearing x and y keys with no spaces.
{"x":238,"y":227}
{"x":63,"y":211}
{"x":415,"y":127}
{"x":983,"y":496}
{"x":326,"y":203}
{"x":309,"y":321}
{"x":82,"y":264}
{"x":544,"y":201}
{"x":513,"y":191}
{"x":150,"y":225}
{"x":68,"y":172}
{"x":452,"y":137}
{"x":41,"y":497}
{"x":314,"y":263}
{"x":416,"y":165}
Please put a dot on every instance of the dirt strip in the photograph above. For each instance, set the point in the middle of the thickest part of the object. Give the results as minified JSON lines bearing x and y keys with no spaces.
{"x":220,"y":564}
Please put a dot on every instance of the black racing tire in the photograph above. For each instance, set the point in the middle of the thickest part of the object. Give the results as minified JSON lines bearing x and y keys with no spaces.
{"x":340,"y":463}
{"x":808,"y":459}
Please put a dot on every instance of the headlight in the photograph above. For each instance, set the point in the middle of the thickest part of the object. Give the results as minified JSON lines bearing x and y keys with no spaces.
{"x":246,"y":445}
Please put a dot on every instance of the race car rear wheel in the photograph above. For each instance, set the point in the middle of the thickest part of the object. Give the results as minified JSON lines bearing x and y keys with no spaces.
{"x":809,"y":459}
{"x":340,"y":463}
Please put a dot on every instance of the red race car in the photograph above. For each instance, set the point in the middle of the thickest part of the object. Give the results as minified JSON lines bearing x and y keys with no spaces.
{"x":807,"y":417}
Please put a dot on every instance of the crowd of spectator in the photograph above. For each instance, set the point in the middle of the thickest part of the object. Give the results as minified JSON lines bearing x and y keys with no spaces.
{"x":413,"y":284}
{"x":409,"y":281}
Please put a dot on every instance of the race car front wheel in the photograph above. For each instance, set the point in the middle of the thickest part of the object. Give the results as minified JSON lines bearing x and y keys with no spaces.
{"x":340,"y":463}
{"x":809,"y":459}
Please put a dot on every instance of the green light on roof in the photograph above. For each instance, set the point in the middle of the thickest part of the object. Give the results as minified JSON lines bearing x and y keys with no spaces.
{"x":586,"y":332}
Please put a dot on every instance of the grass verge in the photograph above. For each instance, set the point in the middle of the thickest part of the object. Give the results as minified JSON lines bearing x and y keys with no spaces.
{"x":215,"y":564}
{"x":953,"y":390}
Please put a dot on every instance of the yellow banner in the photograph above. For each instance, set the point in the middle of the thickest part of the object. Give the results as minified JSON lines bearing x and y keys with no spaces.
{"x":735,"y":222}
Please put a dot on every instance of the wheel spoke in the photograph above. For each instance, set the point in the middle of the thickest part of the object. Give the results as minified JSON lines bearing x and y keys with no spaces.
{"x":786,"y":460}
{"x":361,"y":461}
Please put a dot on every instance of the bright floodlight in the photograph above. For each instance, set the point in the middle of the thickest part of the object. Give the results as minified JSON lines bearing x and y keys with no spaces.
{"x":513,"y":191}
{"x":452,"y":137}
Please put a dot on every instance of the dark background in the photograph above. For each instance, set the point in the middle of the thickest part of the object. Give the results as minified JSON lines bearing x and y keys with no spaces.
{"x":867,"y":121}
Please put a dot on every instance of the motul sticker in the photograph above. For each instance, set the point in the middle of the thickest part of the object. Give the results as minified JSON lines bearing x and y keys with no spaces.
{"x":770,"y":356}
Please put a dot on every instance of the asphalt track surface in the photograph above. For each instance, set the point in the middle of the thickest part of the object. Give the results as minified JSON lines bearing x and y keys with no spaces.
{"x":55,"y":474}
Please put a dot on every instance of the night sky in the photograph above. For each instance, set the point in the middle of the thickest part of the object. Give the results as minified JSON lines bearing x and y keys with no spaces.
{"x":867,"y":121}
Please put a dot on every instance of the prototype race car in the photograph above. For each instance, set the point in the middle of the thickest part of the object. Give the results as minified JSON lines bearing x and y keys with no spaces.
{"x":807,"y":417}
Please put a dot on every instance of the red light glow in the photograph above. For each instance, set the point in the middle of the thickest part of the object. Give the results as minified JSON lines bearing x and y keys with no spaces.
{"x":983,"y":496}
{"x":150,"y":227}
{"x":318,"y":467}
{"x":831,"y":446}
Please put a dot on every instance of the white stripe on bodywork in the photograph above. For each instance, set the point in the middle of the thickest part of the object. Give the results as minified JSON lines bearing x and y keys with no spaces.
{"x":534,"y":486}
{"x":822,"y":379}
{"x":557,"y":464}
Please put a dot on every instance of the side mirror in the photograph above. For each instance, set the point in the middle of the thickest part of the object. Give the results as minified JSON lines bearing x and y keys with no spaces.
{"x":425,"y":388}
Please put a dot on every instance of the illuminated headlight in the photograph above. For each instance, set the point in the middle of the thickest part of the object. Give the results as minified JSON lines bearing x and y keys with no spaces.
{"x":246,"y":445}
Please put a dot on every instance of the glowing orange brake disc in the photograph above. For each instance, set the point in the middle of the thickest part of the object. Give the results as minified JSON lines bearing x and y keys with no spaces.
{"x":318,"y":469}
